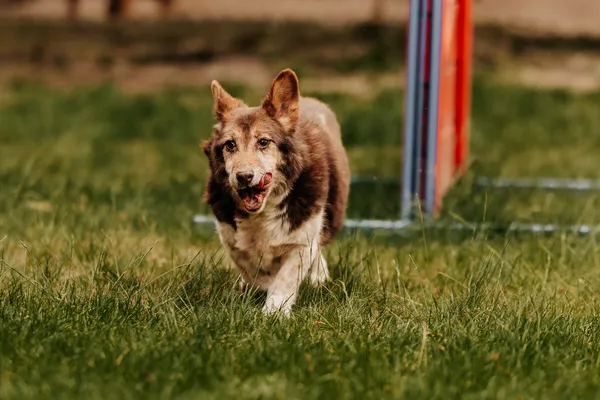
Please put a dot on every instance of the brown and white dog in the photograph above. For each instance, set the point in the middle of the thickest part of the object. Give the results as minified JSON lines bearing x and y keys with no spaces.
{"x":278,"y":186}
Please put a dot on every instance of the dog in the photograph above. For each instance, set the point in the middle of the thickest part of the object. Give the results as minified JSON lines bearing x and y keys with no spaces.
{"x":278,"y":186}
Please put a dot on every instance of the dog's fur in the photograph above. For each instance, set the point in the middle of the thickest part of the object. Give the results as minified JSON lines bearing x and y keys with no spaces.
{"x":278,"y":186}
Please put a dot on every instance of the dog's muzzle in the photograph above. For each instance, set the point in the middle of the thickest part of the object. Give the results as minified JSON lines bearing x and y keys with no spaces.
{"x":253,"y":196}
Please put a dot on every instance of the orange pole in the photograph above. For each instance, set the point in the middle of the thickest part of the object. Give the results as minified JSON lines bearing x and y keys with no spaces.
{"x":446,"y":137}
{"x":463,"y":87}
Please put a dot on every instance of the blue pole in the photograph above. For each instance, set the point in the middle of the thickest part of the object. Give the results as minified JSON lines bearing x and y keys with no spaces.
{"x":411,"y":109}
{"x":433,"y":112}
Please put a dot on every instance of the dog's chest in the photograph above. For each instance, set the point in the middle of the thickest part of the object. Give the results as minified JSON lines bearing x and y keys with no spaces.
{"x":262,"y":236}
{"x":258,"y":242}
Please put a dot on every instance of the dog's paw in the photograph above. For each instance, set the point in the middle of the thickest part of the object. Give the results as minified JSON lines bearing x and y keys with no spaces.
{"x":319,"y":273}
{"x":278,"y":304}
{"x":242,"y":287}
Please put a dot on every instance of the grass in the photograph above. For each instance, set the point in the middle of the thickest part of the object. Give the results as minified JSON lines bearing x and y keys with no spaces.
{"x":108,"y":291}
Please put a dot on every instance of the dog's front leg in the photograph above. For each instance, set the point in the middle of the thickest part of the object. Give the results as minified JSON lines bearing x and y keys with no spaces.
{"x":283,"y":290}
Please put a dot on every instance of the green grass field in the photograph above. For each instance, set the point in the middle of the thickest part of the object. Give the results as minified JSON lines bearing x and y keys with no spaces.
{"x":107,"y":290}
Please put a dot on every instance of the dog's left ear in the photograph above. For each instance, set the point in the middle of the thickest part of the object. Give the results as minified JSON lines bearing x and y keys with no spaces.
{"x":283,"y":99}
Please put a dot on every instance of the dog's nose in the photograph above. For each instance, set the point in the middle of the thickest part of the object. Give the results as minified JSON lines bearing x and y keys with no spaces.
{"x":244,"y":178}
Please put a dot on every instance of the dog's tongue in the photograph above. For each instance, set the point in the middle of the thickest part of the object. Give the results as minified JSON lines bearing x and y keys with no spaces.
{"x":265,"y":180}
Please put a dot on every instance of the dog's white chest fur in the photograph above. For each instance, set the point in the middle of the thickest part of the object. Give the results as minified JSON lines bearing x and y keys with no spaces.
{"x":261,"y":233}
{"x":262,"y":243}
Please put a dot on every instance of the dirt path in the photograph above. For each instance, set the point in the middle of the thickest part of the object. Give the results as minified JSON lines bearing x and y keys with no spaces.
{"x":561,"y":17}
{"x":551,"y":67}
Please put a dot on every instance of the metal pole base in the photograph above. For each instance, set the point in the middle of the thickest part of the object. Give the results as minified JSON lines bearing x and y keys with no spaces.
{"x":407,"y":226}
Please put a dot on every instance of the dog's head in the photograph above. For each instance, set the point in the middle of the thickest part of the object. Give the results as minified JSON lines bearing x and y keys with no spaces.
{"x":251,"y":150}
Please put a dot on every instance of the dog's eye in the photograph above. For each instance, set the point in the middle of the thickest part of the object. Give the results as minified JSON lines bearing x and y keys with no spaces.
{"x":262,"y":143}
{"x":230,"y":145}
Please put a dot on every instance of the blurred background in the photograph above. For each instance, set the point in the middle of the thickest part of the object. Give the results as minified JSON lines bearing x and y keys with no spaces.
{"x":158,"y":42}
{"x":110,"y":98}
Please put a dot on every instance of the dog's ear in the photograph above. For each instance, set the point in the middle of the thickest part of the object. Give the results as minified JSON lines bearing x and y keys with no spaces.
{"x":283,"y":99}
{"x":224,"y":103}
{"x":206,"y":145}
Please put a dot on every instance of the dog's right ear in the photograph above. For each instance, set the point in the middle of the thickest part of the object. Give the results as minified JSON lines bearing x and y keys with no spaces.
{"x":206,"y":145}
{"x":224,"y":103}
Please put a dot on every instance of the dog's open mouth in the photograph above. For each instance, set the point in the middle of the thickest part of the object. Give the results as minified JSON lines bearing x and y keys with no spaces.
{"x":254,"y":196}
